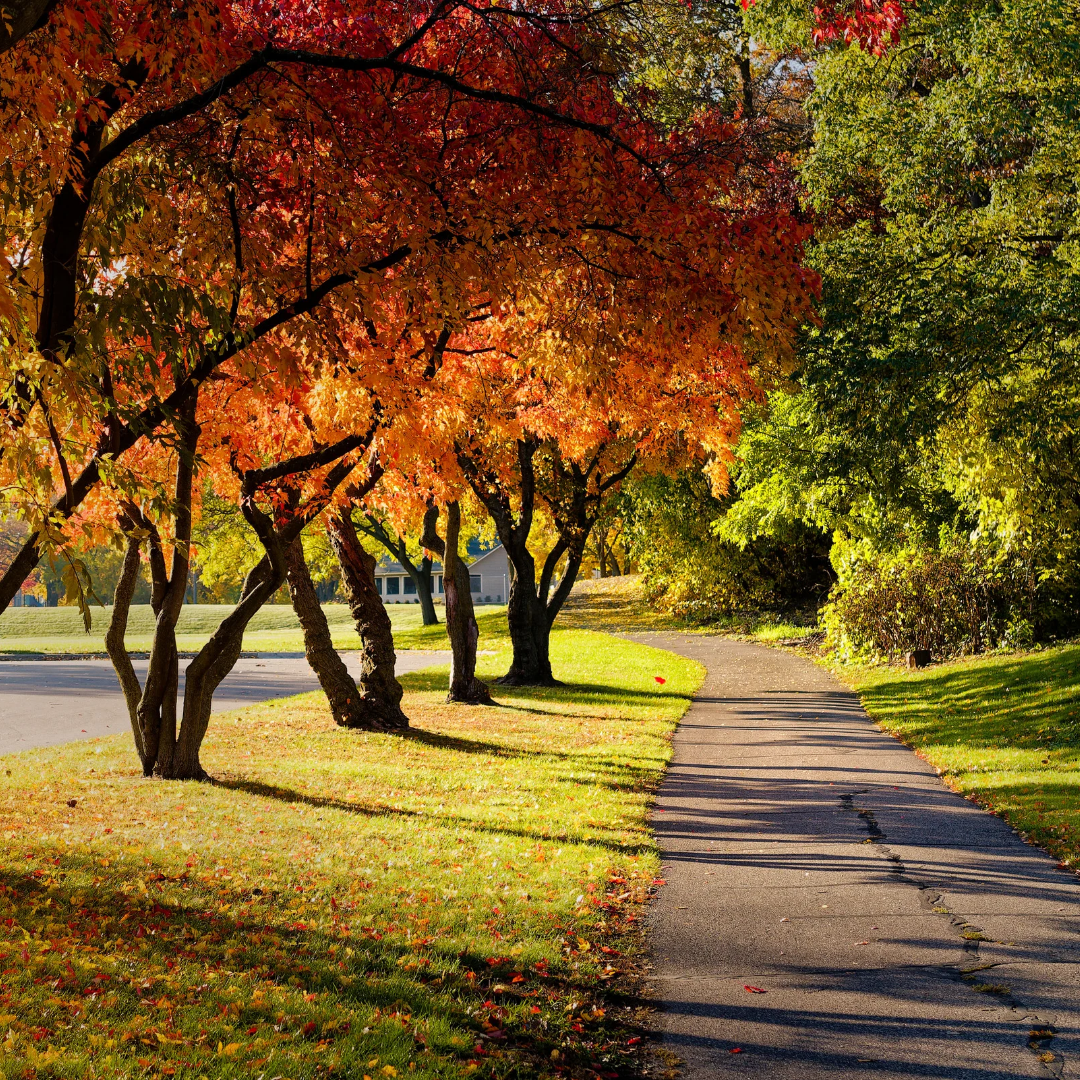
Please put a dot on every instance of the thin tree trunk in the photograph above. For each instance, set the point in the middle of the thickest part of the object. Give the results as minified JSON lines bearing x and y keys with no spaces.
{"x":380,"y":692}
{"x":340,"y":689}
{"x":425,"y":593}
{"x":420,"y":575}
{"x":461,"y":625}
{"x":117,"y":650}
{"x":214,"y":661}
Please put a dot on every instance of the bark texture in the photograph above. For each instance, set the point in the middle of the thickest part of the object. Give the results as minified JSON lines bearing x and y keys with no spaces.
{"x":380,"y":692}
{"x":340,"y":689}
{"x":461,"y":626}
{"x":19,"y":18}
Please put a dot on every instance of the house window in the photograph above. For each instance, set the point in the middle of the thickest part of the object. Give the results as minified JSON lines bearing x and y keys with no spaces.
{"x":393,"y":586}
{"x":439,"y":586}
{"x":474,"y":583}
{"x":378,"y":584}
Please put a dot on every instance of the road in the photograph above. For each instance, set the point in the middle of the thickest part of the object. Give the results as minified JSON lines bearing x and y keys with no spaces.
{"x":44,"y":702}
{"x":832,"y":910}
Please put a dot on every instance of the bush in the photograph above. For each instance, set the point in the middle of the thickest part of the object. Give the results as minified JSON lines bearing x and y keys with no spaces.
{"x":961,"y":598}
{"x":691,"y":572}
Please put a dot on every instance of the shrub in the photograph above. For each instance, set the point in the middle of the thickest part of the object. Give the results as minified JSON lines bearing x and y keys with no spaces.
{"x":961,"y":598}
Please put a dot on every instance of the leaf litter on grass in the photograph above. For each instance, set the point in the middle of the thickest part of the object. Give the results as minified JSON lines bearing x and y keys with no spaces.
{"x":456,"y":902}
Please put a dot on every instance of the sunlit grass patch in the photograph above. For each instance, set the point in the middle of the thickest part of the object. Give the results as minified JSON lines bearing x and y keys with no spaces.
{"x":454,"y":902}
{"x":1004,"y":729}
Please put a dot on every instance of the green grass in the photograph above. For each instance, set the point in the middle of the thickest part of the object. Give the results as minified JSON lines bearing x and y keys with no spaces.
{"x":274,"y":628}
{"x":459,"y":901}
{"x":1004,"y":730}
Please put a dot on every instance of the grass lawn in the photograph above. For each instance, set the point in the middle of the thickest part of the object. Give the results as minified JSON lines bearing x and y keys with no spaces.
{"x":1004,"y":730}
{"x":460,"y":901}
{"x":620,"y":604}
{"x":274,"y":629}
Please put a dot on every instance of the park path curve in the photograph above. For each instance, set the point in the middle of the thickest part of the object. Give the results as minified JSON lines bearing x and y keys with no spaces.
{"x":811,"y":856}
{"x":46,"y":702}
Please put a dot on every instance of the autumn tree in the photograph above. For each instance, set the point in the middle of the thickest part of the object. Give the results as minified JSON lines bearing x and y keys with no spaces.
{"x":395,"y":144}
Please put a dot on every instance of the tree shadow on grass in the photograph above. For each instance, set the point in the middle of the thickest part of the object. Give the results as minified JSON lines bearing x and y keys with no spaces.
{"x":432,"y":680}
{"x":290,"y":796}
{"x":635,"y":775}
{"x":309,"y":977}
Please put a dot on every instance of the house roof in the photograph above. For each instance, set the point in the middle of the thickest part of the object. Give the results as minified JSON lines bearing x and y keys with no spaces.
{"x":389,"y":567}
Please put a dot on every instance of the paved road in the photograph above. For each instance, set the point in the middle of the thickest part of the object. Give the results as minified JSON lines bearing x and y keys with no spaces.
{"x":811,"y":856}
{"x":43,"y":702}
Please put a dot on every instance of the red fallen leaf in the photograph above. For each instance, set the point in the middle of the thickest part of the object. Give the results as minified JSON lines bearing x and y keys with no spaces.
{"x":735,"y":1050}
{"x":634,"y":1041}
{"x":754,"y":989}
{"x":862,"y":942}
{"x":660,"y":679}
{"x":253,"y":1029}
{"x":309,"y":1028}
{"x":535,"y":1009}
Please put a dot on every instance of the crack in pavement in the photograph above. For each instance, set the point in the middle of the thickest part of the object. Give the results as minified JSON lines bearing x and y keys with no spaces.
{"x":1042,"y":1030}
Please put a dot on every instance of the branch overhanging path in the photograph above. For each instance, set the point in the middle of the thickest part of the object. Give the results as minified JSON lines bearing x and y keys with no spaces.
{"x":832,"y":909}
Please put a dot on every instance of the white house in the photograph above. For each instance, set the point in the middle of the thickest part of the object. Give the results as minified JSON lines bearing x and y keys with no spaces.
{"x":489,"y":577}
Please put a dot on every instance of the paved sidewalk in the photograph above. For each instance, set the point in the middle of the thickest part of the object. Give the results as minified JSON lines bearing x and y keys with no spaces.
{"x":44,"y":702}
{"x":896,"y":929}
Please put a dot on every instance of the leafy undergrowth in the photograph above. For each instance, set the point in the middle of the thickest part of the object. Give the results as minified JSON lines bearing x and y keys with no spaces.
{"x":1004,"y":730}
{"x":620,"y":604}
{"x":274,"y":629}
{"x":461,"y":901}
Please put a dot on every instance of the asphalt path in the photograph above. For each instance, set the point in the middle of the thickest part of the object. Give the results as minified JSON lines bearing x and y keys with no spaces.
{"x":44,"y":702}
{"x":832,"y":910}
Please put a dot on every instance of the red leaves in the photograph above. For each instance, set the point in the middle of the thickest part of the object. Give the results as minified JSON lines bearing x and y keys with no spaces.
{"x":660,"y":679}
{"x":873,"y":25}
{"x":754,"y":989}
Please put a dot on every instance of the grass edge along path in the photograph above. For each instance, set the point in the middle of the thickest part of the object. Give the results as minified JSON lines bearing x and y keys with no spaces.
{"x":1002,"y":730}
{"x":463,"y":901}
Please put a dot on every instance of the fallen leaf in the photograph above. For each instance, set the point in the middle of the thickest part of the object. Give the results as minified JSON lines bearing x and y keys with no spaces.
{"x":754,"y":989}
{"x":660,"y":679}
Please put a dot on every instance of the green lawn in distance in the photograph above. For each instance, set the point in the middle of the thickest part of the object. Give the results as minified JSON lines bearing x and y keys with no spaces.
{"x":1002,"y":729}
{"x":461,"y":901}
{"x":273,"y":629}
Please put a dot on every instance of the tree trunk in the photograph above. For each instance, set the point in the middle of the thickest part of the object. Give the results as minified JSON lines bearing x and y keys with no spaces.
{"x":380,"y":692}
{"x":19,"y":18}
{"x":526,"y":616}
{"x":214,"y":661}
{"x":117,"y":650}
{"x":340,"y":689}
{"x":425,"y":593}
{"x":461,"y":625}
